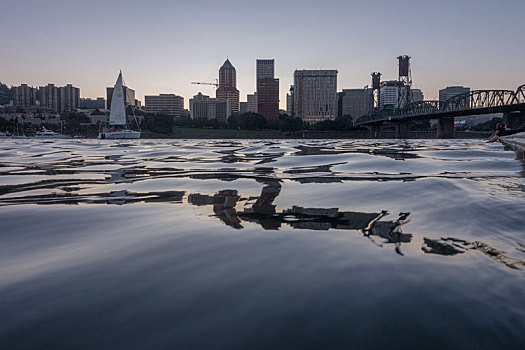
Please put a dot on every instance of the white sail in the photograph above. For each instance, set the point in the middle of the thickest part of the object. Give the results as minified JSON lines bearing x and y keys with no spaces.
{"x":117,"y":114}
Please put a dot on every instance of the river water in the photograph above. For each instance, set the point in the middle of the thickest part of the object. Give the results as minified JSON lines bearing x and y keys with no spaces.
{"x":200,"y":244}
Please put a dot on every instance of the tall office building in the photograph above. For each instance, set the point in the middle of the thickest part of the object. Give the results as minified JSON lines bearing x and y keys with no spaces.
{"x":228,"y":86}
{"x":315,"y":95}
{"x":416,"y":95}
{"x":267,"y":89}
{"x":129,"y":96}
{"x":48,"y":96}
{"x":451,"y":91}
{"x":354,"y":102}
{"x":289,"y":102}
{"x":171,"y":104}
{"x":202,"y":106}
{"x":243,"y":107}
{"x":24,"y":96}
{"x":68,"y":98}
{"x":251,"y":104}
{"x":265,"y":69}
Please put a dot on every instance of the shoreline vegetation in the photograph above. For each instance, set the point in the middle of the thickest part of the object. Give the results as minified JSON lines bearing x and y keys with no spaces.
{"x":245,"y":126}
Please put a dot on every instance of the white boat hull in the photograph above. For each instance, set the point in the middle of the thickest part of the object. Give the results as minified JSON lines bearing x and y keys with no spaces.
{"x":52,"y":137}
{"x":120,"y":134}
{"x":49,"y":134}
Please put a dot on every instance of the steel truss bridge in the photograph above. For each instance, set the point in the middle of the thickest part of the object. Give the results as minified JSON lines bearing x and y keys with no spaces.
{"x":472,"y":103}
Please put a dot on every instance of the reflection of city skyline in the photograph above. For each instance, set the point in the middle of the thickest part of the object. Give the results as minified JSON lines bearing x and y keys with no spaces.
{"x":115,"y":179}
{"x":261,"y":210}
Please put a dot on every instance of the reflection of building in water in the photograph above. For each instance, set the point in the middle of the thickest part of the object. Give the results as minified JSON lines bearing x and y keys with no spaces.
{"x":324,"y":219}
{"x":263,"y":212}
{"x":453,"y":246}
{"x":223,"y":202}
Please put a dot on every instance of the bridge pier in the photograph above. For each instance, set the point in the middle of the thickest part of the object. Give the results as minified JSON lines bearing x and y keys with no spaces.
{"x":514,"y":119}
{"x":402,"y":128}
{"x":375,"y":130}
{"x":445,"y":128}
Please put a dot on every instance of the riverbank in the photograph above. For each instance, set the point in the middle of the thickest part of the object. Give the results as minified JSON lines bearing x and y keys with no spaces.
{"x":516,"y":143}
{"x":196,"y":133}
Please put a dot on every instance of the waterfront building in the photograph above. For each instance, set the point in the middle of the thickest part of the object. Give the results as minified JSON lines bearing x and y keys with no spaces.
{"x":267,"y":89}
{"x":416,"y":95}
{"x":315,"y":95}
{"x":199,"y":106}
{"x":48,"y":97}
{"x":167,"y":103}
{"x":129,"y":96}
{"x":228,"y":86}
{"x":451,"y":91}
{"x":68,"y":98}
{"x":389,"y":93}
{"x":202,"y":106}
{"x":24,"y":96}
{"x":251,"y":105}
{"x":88,"y":103}
{"x":354,"y":102}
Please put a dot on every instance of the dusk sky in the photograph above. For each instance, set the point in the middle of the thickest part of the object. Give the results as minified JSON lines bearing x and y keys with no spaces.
{"x":162,"y":46}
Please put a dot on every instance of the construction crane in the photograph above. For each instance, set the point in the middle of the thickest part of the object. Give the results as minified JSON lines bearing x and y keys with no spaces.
{"x":216,"y":84}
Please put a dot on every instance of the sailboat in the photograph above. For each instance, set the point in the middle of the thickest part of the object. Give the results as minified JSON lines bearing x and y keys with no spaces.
{"x":117,"y":116}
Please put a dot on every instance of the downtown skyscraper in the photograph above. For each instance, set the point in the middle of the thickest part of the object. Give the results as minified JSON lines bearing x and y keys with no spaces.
{"x":228,"y":86}
{"x":267,"y":89}
{"x":315,"y":95}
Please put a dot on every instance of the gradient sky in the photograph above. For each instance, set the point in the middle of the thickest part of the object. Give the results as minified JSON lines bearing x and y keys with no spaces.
{"x":161,"y":46}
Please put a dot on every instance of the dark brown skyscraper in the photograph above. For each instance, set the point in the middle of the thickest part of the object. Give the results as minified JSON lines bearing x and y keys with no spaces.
{"x":228,"y":86}
{"x":267,"y":90}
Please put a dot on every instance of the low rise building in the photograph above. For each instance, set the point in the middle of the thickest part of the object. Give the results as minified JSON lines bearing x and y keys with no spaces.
{"x":354,"y":102}
{"x":171,"y":104}
{"x":451,"y":91}
{"x":416,"y":95}
{"x":202,"y":106}
{"x":88,"y":103}
{"x":251,"y":104}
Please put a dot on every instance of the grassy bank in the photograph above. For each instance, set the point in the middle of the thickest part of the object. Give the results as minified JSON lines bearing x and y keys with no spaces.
{"x":224,"y":133}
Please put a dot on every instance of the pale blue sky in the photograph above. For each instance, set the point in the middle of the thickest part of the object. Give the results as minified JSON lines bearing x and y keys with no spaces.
{"x":161,"y":46}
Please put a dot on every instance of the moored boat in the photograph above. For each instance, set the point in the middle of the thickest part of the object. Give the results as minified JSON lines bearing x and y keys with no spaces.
{"x":117,"y":116}
{"x":49,"y":134}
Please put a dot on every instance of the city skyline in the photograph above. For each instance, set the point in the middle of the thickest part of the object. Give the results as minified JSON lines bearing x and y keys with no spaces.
{"x":162,"y":48}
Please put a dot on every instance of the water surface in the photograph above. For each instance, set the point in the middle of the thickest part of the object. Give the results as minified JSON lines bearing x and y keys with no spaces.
{"x":261,"y":244}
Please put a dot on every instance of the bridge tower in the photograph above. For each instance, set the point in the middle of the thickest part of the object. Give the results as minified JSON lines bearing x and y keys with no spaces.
{"x":376,"y":90}
{"x":405,"y":78}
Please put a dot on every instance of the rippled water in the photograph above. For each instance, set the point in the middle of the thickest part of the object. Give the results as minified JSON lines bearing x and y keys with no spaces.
{"x":261,"y":244}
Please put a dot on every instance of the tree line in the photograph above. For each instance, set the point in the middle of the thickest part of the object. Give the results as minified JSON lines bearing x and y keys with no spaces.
{"x":162,"y":123}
